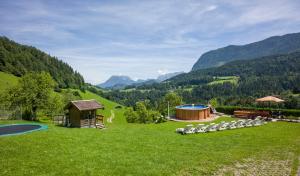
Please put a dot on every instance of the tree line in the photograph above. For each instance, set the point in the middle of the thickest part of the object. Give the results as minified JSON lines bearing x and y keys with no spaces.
{"x":20,"y":59}
{"x":35,"y":93}
{"x":145,"y":112}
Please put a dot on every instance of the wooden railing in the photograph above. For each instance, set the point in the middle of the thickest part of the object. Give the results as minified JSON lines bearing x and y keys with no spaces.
{"x":87,"y":123}
{"x":100,"y":118}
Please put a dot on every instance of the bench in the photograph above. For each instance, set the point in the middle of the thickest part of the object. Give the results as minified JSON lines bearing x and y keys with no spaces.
{"x":250,"y":114}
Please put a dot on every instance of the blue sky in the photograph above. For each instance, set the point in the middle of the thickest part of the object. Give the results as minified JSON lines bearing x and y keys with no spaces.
{"x":142,"y":39}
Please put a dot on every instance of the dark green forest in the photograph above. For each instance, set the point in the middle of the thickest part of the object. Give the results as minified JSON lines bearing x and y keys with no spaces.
{"x":20,"y":59}
{"x":270,"y":75}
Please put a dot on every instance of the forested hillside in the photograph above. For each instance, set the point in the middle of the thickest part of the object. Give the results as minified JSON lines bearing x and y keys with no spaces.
{"x":286,"y":65}
{"x":270,"y":46}
{"x":20,"y":59}
{"x":271,"y":75}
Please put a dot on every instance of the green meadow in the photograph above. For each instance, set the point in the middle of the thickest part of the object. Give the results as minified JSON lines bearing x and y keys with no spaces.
{"x":7,"y":80}
{"x":150,"y":149}
{"x":225,"y":79}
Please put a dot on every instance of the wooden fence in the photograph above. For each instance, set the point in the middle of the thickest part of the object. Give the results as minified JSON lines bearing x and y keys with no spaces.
{"x":14,"y":113}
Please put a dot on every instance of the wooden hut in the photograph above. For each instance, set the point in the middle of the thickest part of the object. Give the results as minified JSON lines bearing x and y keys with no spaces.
{"x":82,"y":113}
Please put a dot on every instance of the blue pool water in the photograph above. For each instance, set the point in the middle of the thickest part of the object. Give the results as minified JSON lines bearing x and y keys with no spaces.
{"x":192,"y":107}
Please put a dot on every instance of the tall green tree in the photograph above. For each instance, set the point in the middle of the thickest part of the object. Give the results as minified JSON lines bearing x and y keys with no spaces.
{"x":55,"y":105}
{"x":172,"y":99}
{"x":69,"y":95}
{"x":142,"y":112}
{"x":131,"y":116}
{"x":32,"y":93}
{"x":213,"y":102}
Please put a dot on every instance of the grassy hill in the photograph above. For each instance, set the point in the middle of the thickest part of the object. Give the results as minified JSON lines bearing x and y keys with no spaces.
{"x":20,"y":59}
{"x":152,"y":149}
{"x":109,"y":107}
{"x":225,"y":79}
{"x":273,"y":66}
{"x":7,"y":80}
{"x":149,"y":149}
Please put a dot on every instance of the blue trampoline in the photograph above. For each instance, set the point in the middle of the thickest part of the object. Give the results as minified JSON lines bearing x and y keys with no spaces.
{"x":16,"y":129}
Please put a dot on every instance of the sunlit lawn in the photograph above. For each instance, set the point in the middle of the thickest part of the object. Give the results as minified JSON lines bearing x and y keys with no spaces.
{"x":152,"y":149}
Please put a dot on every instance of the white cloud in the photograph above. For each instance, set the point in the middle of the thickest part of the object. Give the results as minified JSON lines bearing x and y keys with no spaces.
{"x":256,"y":12}
{"x":162,"y":71}
{"x":142,"y":39}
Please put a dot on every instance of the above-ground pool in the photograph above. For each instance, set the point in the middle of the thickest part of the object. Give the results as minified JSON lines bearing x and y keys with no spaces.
{"x":15,"y":129}
{"x":192,"y":112}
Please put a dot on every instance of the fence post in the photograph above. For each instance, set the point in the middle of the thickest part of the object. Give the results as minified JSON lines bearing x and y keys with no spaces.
{"x":21,"y":112}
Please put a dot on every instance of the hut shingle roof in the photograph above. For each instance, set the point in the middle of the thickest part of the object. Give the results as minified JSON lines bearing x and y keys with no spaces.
{"x":85,"y":105}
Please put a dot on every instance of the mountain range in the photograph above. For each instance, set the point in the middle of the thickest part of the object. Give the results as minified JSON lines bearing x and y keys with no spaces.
{"x":234,"y":75}
{"x":118,"y":82}
{"x":270,"y":46}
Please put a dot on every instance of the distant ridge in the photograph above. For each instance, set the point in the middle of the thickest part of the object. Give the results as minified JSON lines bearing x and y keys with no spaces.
{"x":118,"y":82}
{"x":270,"y":46}
{"x":274,"y":69}
{"x":164,"y":77}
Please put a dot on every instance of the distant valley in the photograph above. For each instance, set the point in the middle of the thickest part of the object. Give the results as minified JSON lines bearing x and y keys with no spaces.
{"x":234,"y":75}
{"x":119,"y":82}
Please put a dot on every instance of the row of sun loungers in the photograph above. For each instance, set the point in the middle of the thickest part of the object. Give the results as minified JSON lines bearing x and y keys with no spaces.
{"x":202,"y":128}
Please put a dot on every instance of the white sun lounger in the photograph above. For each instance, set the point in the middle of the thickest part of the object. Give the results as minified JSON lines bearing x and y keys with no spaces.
{"x":240,"y":124}
{"x":232,"y":125}
{"x":257,"y":122}
{"x":201,"y":128}
{"x":189,"y":129}
{"x":248,"y":123}
{"x":211,"y":127}
{"x":222,"y":126}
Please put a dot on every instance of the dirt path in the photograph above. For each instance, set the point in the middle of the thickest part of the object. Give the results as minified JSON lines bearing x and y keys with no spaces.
{"x":112,"y":116}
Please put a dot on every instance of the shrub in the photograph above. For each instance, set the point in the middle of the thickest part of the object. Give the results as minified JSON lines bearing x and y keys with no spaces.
{"x":142,"y":112}
{"x":292,"y":117}
{"x":142,"y":115}
{"x":171,"y":98}
{"x":156,"y":117}
{"x":290,"y":112}
{"x":131,"y":116}
{"x":76,"y":93}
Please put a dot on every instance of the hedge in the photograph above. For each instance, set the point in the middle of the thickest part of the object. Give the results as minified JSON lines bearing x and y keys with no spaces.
{"x":231,"y":109}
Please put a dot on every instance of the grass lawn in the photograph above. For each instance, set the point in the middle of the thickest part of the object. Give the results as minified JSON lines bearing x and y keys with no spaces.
{"x":7,"y":80}
{"x":109,"y":105}
{"x":151,"y":149}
